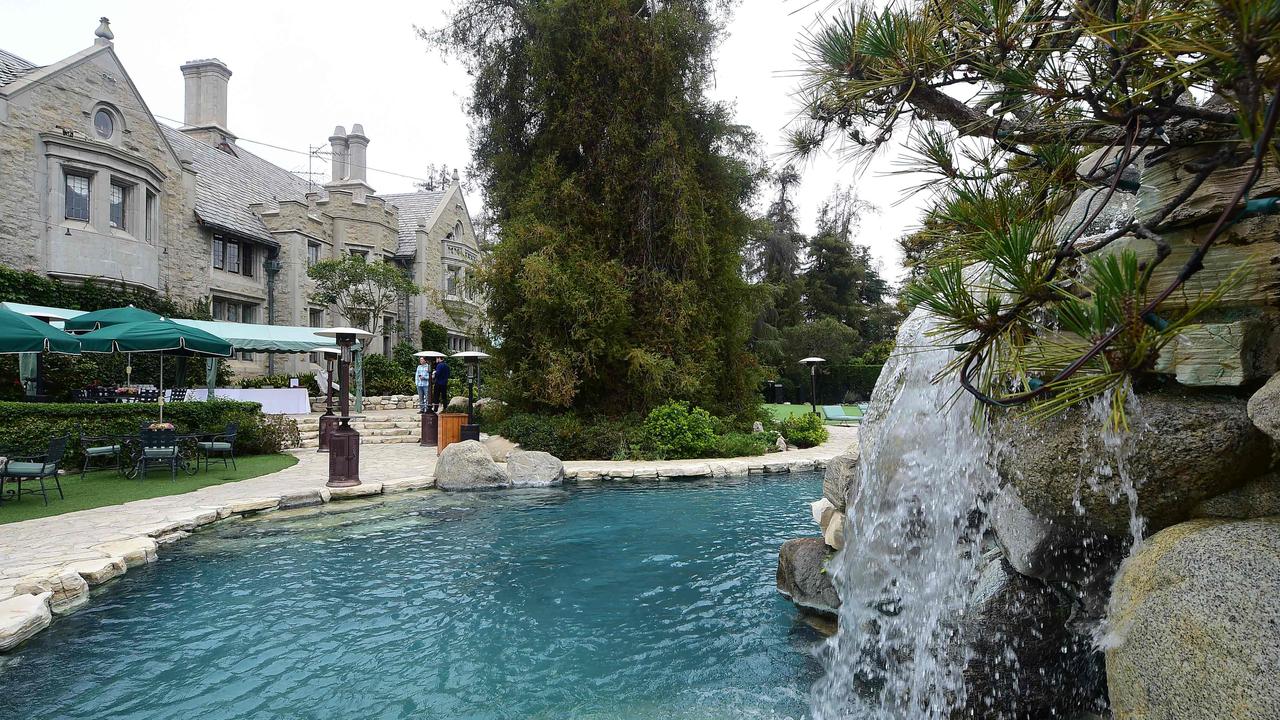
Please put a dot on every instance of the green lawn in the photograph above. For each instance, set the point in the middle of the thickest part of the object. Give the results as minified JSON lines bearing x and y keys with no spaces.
{"x":781,"y":412}
{"x":106,"y":487}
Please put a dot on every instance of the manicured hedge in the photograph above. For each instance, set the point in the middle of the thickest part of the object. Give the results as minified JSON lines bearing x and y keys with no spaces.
{"x":28,"y":427}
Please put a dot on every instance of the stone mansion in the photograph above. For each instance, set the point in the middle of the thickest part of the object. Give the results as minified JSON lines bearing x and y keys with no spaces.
{"x":92,"y":186}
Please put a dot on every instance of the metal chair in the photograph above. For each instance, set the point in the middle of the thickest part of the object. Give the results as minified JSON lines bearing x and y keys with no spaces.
{"x":223,"y":445}
{"x":159,"y":447}
{"x":36,"y":467}
{"x":99,"y":447}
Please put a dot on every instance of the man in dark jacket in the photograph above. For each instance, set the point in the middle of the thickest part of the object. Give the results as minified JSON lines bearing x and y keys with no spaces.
{"x":440,"y":386}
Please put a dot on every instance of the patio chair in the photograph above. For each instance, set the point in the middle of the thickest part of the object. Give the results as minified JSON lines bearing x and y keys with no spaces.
{"x":836,"y":414}
{"x":222,"y":445}
{"x":36,"y":467}
{"x":99,"y":447}
{"x":159,"y":447}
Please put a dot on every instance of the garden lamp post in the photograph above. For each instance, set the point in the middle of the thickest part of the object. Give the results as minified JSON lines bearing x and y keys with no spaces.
{"x":344,"y":441}
{"x":471,"y":431}
{"x":430,"y":421}
{"x":328,"y":420}
{"x":813,"y":363}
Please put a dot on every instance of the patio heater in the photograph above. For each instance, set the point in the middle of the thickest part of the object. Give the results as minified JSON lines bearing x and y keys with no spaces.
{"x":471,"y":431}
{"x":328,"y":421}
{"x":813,"y":363}
{"x":344,"y":440}
{"x":430,"y":421}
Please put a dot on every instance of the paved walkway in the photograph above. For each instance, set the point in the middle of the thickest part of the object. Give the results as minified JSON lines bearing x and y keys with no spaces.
{"x":65,"y":554}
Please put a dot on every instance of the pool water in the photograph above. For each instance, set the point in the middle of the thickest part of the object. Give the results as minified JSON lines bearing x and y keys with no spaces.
{"x":639,"y":600}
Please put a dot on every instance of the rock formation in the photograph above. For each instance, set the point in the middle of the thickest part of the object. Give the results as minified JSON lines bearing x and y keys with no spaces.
{"x":467,"y":465}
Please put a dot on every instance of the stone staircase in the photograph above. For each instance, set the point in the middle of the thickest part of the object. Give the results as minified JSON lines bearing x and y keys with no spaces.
{"x":376,"y":430}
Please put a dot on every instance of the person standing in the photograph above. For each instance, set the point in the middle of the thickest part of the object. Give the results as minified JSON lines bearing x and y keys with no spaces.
{"x":422,"y":379}
{"x":440,"y":386}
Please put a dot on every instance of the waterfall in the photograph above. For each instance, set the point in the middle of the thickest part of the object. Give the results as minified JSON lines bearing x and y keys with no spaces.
{"x":912,"y":544}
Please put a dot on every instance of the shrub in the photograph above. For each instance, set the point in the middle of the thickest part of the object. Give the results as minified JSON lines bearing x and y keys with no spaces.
{"x":805,"y":430}
{"x":676,"y":430}
{"x":28,"y":427}
{"x":567,"y":436}
{"x":382,"y":376}
{"x":736,"y":444}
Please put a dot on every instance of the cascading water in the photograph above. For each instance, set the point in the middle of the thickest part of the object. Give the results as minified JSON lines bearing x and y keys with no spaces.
{"x":912,"y":545}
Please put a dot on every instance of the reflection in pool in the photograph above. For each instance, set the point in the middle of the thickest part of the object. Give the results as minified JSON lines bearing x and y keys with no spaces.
{"x":638,"y":600}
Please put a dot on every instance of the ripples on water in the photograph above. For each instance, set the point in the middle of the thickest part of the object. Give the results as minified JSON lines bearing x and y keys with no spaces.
{"x":642,"y":600}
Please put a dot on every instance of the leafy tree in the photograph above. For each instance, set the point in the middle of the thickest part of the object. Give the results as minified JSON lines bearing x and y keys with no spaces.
{"x":362,"y":291}
{"x":998,"y":103}
{"x":840,"y":279}
{"x":617,"y":192}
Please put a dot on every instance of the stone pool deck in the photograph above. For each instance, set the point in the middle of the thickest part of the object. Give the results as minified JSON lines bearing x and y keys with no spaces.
{"x":48,"y":564}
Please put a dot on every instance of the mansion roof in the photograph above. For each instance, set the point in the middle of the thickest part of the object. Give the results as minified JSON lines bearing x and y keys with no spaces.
{"x":227,"y":184}
{"x":415,"y":207}
{"x":13,"y":67}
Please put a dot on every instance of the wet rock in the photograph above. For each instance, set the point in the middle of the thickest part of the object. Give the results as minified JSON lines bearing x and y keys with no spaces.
{"x":22,"y":616}
{"x":300,"y":499}
{"x":67,"y":590}
{"x":467,"y":465}
{"x":1023,"y":657}
{"x":532,"y":468}
{"x":1098,"y":167}
{"x":1056,"y":549}
{"x":1109,"y":215}
{"x":841,"y":473}
{"x":1257,"y":498}
{"x":802,"y":576}
{"x":1194,"y":624}
{"x":1186,"y":448}
{"x":1264,"y":408}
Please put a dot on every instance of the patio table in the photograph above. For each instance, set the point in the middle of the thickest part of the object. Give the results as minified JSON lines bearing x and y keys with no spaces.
{"x":188,"y":456}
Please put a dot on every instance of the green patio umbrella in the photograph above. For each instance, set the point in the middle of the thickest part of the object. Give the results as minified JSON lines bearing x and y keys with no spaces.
{"x":162,"y":336}
{"x":108,"y":317}
{"x":23,"y":334}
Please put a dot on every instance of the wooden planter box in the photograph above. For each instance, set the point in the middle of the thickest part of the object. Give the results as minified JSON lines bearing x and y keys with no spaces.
{"x":450,"y":430}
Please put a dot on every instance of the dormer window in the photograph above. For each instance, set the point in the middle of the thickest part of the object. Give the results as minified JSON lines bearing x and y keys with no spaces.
{"x":104,"y":124}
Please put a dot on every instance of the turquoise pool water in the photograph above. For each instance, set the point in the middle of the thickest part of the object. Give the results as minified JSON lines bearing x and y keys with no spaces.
{"x":642,"y":600}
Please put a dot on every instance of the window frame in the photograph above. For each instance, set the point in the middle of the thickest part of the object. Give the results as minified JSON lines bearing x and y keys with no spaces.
{"x":313,"y":253}
{"x":124,"y":188}
{"x":87,"y":177}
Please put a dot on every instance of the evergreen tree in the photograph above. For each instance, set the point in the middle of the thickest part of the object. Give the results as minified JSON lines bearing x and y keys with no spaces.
{"x":617,"y":190}
{"x":840,"y":280}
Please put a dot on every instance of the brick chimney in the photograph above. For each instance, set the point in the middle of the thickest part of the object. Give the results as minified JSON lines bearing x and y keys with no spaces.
{"x":205,"y":105}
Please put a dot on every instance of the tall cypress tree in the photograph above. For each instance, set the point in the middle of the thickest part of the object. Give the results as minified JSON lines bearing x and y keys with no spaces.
{"x":618,"y":191}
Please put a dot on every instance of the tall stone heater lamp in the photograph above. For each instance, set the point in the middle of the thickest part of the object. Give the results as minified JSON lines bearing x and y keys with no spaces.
{"x":344,"y":441}
{"x":813,"y":363}
{"x":473,"y":358}
{"x":328,"y":421}
{"x":430,"y":421}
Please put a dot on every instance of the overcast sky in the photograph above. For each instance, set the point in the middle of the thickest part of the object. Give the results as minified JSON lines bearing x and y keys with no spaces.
{"x":299,"y":68}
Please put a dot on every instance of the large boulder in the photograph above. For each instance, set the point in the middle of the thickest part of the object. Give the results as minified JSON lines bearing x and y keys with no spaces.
{"x":1257,"y":498}
{"x":1194,"y":624}
{"x":802,"y":576}
{"x":1264,"y":408}
{"x":840,"y":475}
{"x":1059,"y":550}
{"x":467,"y":465}
{"x":1023,"y":656}
{"x":533,"y":468}
{"x":1185,"y":448}
{"x":22,"y":616}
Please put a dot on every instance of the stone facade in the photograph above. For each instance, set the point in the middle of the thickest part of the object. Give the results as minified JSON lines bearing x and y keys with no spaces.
{"x":203,"y":219}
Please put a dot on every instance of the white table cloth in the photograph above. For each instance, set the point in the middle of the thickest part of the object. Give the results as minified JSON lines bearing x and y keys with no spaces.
{"x":275,"y":401}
